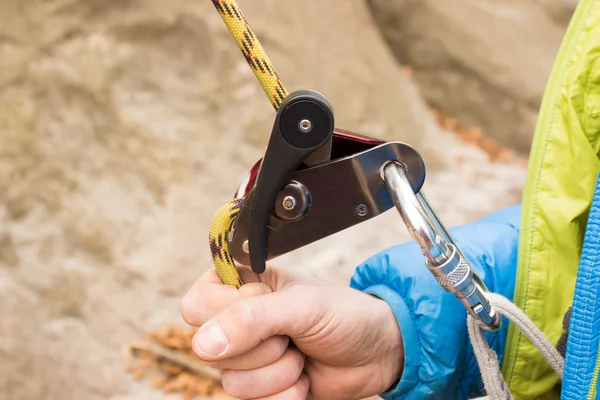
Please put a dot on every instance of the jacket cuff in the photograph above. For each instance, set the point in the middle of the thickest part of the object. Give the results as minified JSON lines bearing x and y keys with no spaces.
{"x":410,"y":339}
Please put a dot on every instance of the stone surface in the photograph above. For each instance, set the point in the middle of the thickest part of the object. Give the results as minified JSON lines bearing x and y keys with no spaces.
{"x":484,"y":62}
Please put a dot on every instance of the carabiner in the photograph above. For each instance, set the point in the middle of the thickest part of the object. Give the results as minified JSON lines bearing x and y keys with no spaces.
{"x":442,"y":257}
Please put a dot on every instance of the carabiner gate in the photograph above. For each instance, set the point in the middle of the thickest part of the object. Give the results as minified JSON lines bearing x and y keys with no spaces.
{"x":442,"y":257}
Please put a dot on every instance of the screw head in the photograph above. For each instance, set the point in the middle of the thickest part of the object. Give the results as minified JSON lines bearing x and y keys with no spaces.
{"x":362,"y":210}
{"x":305,"y":126}
{"x":289,"y":202}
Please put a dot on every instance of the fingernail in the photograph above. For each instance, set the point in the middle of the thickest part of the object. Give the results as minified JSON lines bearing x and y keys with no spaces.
{"x":210,"y":341}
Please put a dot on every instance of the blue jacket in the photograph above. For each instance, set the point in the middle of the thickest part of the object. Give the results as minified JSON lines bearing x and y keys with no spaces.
{"x":439,"y":359}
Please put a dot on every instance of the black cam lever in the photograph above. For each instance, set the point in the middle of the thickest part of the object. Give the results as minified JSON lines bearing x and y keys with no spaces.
{"x":303,"y":124}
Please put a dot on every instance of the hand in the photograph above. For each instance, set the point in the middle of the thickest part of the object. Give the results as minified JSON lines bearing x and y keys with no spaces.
{"x":346,"y":344}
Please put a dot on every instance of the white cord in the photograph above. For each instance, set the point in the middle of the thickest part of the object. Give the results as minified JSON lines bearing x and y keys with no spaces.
{"x":487,"y":359}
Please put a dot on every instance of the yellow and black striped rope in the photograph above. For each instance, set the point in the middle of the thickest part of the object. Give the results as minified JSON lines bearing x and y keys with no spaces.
{"x":252,"y":50}
{"x":276,"y":92}
{"x":219,"y":247}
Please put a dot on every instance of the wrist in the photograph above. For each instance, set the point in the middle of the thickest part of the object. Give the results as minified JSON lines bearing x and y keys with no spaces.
{"x":392,"y":345}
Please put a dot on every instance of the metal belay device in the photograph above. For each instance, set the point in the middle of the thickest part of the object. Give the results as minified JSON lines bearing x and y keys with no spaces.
{"x":314,"y":182}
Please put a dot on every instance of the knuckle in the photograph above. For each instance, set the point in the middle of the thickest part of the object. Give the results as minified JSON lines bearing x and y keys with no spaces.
{"x":290,"y":368}
{"x":232,"y":382}
{"x":279,"y":346}
{"x":312,"y":295}
{"x":186,"y":307}
{"x":298,"y":393}
{"x":271,"y":350}
{"x":296,"y":363}
{"x":218,"y":365}
{"x":249,"y":312}
{"x":313,"y":299}
{"x":299,"y":358}
{"x":192,"y":308}
{"x":301,"y":389}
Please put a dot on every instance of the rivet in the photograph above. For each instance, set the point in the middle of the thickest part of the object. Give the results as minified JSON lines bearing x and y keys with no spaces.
{"x":305,"y":126}
{"x":362,"y":210}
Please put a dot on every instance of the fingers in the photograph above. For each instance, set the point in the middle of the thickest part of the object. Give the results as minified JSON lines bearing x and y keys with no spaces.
{"x":298,"y":391}
{"x":265,"y":381}
{"x":245,"y":324}
{"x":206,"y":298}
{"x":262,"y":355}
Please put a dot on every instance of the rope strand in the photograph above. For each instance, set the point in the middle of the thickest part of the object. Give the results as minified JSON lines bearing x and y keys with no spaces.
{"x":252,"y":50}
{"x":273,"y":87}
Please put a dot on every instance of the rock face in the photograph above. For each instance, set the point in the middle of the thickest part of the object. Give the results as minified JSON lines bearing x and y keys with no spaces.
{"x":125,"y":124}
{"x":484,"y":62}
{"x":559,"y":10}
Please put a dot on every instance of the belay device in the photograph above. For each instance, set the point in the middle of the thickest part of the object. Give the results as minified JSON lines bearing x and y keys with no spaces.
{"x":316,"y":180}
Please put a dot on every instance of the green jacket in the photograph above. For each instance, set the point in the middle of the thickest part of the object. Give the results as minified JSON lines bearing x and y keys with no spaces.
{"x":563,"y":169}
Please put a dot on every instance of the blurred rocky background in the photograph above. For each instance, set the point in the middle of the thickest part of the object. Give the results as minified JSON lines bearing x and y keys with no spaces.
{"x":125,"y":124}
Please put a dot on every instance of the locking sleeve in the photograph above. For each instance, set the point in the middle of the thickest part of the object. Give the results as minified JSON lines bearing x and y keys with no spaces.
{"x":439,"y":360}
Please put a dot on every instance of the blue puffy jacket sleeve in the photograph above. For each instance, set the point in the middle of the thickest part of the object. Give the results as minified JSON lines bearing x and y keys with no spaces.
{"x":439,"y":359}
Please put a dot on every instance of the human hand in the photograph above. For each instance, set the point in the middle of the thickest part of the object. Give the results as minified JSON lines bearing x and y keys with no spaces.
{"x":346,"y":344}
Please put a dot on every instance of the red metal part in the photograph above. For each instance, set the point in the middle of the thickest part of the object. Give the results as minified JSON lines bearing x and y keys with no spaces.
{"x":344,"y":143}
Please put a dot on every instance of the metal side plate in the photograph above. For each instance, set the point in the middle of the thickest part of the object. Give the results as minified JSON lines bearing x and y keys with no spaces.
{"x":327,"y":199}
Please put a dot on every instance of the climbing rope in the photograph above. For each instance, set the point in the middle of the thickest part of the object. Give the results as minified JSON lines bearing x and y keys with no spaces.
{"x":489,"y":365}
{"x":276,"y":92}
{"x":252,"y":50}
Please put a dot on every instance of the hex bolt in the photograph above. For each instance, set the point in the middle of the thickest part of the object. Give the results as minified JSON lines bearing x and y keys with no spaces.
{"x":289,"y":202}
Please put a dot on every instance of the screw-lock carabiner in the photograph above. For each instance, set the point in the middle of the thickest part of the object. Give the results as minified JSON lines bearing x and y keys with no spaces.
{"x":445,"y":261}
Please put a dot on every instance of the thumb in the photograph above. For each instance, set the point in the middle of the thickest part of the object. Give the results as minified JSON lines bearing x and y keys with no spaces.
{"x":254,"y":289}
{"x":245,"y":324}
